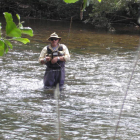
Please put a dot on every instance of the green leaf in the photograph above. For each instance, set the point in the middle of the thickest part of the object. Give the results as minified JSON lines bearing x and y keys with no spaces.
{"x":18,"y":17}
{"x":23,"y":40}
{"x":8,"y":17}
{"x":70,"y":1}
{"x":6,"y":48}
{"x":20,"y":25}
{"x":12,"y":30}
{"x":27,"y":30}
{"x":8,"y":43}
{"x":1,"y":48}
{"x":84,"y":5}
{"x":99,"y":0}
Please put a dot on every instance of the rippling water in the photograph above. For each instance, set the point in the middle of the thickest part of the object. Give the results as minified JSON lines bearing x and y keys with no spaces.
{"x":90,"y":105}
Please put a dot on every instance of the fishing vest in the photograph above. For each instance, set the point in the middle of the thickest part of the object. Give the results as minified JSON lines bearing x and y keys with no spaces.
{"x":53,"y":53}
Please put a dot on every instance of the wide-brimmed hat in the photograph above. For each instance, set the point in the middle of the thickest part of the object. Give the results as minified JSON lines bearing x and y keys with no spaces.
{"x":54,"y":35}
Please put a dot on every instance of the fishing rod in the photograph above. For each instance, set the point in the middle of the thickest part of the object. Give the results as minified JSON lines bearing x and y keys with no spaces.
{"x":127,"y":88}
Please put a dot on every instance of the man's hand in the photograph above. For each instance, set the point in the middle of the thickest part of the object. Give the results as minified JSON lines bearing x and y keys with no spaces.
{"x":54,"y":60}
{"x":46,"y":59}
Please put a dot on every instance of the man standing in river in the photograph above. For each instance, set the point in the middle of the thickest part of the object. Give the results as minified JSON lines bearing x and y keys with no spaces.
{"x":54,"y":56}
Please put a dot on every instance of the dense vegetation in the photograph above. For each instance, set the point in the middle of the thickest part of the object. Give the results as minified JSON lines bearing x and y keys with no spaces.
{"x":114,"y":11}
{"x":101,"y":14}
{"x":45,"y":9}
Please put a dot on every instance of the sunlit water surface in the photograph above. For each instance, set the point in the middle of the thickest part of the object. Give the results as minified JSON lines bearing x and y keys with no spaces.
{"x":96,"y":80}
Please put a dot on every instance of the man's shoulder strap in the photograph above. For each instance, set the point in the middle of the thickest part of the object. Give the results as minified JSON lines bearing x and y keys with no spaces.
{"x":60,"y":47}
{"x":47,"y":46}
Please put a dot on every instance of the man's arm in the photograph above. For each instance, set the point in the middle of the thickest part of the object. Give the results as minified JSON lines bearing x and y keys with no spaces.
{"x":42,"y":58}
{"x":66,"y":56}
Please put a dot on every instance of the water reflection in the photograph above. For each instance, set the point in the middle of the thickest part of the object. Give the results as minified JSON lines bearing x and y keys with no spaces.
{"x":96,"y":78}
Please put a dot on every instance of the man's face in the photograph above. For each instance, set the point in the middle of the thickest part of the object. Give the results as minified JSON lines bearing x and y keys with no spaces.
{"x":54,"y":41}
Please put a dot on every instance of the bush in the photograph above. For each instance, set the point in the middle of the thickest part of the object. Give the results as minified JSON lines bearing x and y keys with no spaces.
{"x":44,"y":9}
{"x":107,"y":12}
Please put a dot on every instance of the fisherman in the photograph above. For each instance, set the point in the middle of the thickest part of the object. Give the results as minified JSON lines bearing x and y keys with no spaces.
{"x":54,"y":56}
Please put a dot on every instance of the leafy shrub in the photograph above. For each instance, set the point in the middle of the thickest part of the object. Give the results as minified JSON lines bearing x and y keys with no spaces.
{"x":108,"y":11}
{"x":13,"y":33}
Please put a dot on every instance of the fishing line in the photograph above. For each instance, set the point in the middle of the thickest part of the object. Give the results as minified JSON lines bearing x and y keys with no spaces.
{"x":127,"y":88}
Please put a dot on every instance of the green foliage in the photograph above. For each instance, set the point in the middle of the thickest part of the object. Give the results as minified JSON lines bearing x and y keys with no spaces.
{"x":73,"y":1}
{"x":85,"y":4}
{"x":11,"y":28}
{"x":26,"y":30}
{"x":108,"y":11}
{"x":104,"y":12}
{"x":70,"y":1}
{"x":101,"y":13}
{"x":23,"y":40}
{"x":2,"y":48}
{"x":13,"y":32}
{"x":42,"y":9}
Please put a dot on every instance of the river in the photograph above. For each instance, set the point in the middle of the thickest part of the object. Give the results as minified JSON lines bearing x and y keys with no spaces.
{"x":97,"y":77}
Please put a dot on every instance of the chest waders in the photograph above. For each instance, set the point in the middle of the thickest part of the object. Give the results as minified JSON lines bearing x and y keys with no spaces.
{"x":55,"y":73}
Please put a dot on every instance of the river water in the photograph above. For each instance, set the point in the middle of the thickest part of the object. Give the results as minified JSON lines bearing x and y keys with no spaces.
{"x":97,"y":77}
